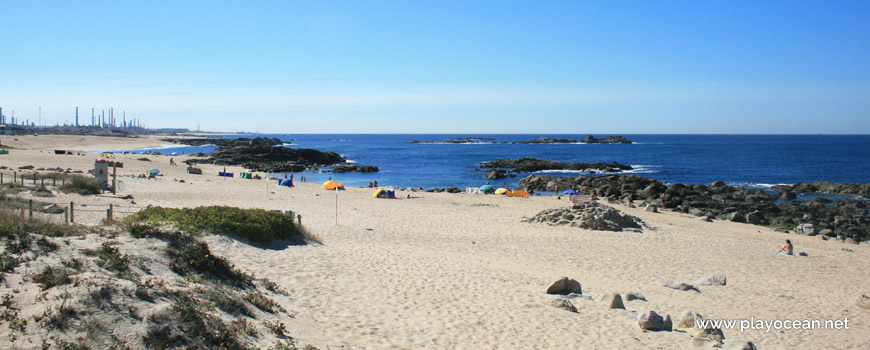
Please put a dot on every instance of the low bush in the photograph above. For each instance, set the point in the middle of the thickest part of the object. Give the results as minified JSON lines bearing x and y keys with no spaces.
{"x":82,"y":185}
{"x":51,"y":277}
{"x":257,"y":225}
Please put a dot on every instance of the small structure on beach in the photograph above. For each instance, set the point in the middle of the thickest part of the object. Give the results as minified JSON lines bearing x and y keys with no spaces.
{"x":101,"y":171}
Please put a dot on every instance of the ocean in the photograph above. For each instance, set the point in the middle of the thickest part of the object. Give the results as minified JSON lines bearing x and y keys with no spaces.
{"x":750,"y":160}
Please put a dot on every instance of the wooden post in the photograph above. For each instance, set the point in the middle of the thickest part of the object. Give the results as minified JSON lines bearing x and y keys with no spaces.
{"x":299,"y":219}
{"x":111,"y":212}
{"x":54,"y":180}
{"x":14,"y":177}
{"x":1,"y":178}
{"x":63,"y":181}
{"x":42,"y":181}
{"x":336,"y":206}
{"x":66,"y":216}
{"x":31,"y":208}
{"x":72,"y":212}
{"x":115,"y":177}
{"x":34,"y":179}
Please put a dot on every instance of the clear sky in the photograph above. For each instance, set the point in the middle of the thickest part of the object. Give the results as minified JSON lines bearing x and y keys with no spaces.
{"x":616,"y":67}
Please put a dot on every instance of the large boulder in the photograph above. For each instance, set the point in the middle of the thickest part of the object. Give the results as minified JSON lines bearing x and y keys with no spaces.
{"x":649,"y":320}
{"x":687,"y":319}
{"x":612,"y":301}
{"x":565,"y":286}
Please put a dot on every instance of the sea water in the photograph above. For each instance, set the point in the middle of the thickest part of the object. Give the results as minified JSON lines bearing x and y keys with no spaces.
{"x":753,"y":160}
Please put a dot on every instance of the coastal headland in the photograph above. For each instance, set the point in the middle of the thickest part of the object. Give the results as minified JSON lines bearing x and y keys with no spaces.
{"x":448,"y":271}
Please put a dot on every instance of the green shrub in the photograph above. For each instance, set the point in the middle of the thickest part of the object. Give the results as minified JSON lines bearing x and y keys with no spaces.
{"x":82,"y":185}
{"x":110,"y":258}
{"x":51,"y":277}
{"x":257,"y":225}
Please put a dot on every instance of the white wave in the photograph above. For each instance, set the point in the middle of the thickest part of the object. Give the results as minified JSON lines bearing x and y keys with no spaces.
{"x":755,"y":185}
{"x":636,"y":169}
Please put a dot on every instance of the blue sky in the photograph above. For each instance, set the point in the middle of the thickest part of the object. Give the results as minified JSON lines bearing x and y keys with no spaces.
{"x":444,"y":66}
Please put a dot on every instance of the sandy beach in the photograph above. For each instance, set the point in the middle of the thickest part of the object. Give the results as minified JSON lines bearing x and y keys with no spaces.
{"x":462,"y":271}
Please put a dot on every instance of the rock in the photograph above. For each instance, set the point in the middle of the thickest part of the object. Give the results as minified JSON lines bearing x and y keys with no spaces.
{"x":687,"y":319}
{"x":563,"y":304}
{"x":52,"y":209}
{"x":629,"y":296}
{"x":588,"y":215}
{"x":863,"y":301}
{"x":717,"y":279}
{"x":496,"y":174}
{"x":527,"y":164}
{"x":651,"y":321}
{"x":736,"y":217}
{"x":588,"y":139}
{"x":696,"y":212}
{"x":709,"y":337}
{"x":651,"y":208}
{"x":737,"y":344}
{"x":805,"y":229}
{"x":565,"y":286}
{"x":827,"y":232}
{"x":680,"y":286}
{"x":612,"y":301}
{"x":261,"y":154}
{"x":42,"y":192}
{"x":850,"y":240}
{"x":753,"y":218}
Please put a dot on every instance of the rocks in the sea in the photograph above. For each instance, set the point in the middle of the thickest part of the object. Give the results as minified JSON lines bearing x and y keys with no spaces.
{"x":649,"y":320}
{"x":261,"y":154}
{"x":629,"y":296}
{"x":718,"y":279}
{"x":863,"y":301}
{"x":498,"y":174}
{"x":535,"y":164}
{"x":563,"y":304}
{"x":806,"y":229}
{"x":679,"y":286}
{"x":355,"y":169}
{"x":588,"y":139}
{"x":590,"y":216}
{"x":451,"y":189}
{"x":565,"y":286}
{"x":611,"y":301}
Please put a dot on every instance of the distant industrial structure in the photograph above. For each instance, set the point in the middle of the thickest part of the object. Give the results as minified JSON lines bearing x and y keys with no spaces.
{"x":101,"y":124}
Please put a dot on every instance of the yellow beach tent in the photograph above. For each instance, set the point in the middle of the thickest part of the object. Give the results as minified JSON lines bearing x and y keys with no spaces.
{"x":377,"y":192}
{"x":501,"y":190}
{"x":331,"y":185}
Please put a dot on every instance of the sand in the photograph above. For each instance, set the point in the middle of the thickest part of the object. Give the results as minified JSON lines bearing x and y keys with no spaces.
{"x":459,"y":271}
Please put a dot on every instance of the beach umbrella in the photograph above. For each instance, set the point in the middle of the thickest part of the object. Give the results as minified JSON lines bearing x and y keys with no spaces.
{"x":569,"y":192}
{"x":485,"y":187}
{"x":501,"y":190}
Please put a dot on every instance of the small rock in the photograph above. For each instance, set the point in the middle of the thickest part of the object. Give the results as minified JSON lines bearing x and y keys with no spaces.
{"x":680,"y":286}
{"x":563,"y":304}
{"x":629,"y":296}
{"x":863,"y":301}
{"x":565,"y":286}
{"x":709,"y":337}
{"x":737,"y":344}
{"x":717,"y":279}
{"x":687,"y":319}
{"x":850,"y":240}
{"x":612,"y":301}
{"x":805,"y":229}
{"x":651,"y":321}
{"x":827,"y":232}
{"x":651,"y":208}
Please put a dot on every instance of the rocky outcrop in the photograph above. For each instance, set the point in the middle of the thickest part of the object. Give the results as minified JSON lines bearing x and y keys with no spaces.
{"x":590,"y":216}
{"x":260,"y":154}
{"x":220,"y":141}
{"x":354,"y":169}
{"x":846,"y":218}
{"x":565,"y":286}
{"x":498,"y":174}
{"x":525,"y":165}
{"x":456,"y":140}
{"x":588,"y":139}
{"x":827,"y":187}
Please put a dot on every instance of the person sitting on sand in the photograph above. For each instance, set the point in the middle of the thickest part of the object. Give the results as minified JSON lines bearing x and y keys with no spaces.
{"x":172,"y":161}
{"x":375,"y":184}
{"x":370,"y":185}
{"x":787,"y":249}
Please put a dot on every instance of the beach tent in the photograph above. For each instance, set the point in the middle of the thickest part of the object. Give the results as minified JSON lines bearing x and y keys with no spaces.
{"x":569,"y":192}
{"x":501,"y":190}
{"x":518,"y":193}
{"x":382,"y":192}
{"x":485,"y":188}
{"x":331,"y":185}
{"x":154,"y":172}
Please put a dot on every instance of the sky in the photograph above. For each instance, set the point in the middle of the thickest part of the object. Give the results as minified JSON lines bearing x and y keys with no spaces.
{"x":548,"y":67}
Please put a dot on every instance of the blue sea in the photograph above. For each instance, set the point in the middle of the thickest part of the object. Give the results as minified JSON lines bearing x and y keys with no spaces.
{"x":752,"y":160}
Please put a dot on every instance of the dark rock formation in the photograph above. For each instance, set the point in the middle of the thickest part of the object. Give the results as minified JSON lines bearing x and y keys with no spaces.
{"x":456,"y":140}
{"x":588,"y":139}
{"x":354,"y":169}
{"x":260,"y":154}
{"x":220,"y":141}
{"x":826,"y":187}
{"x":498,"y":174}
{"x":591,"y":216}
{"x":534,"y":164}
{"x":845,"y":218}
